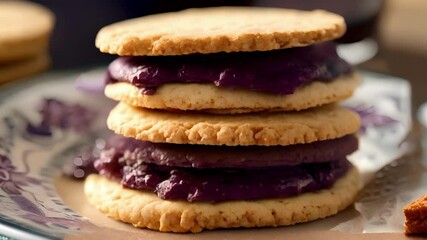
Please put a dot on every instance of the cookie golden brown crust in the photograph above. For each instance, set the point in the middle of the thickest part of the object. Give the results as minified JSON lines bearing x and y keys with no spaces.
{"x":416,"y":216}
{"x":146,"y":210}
{"x":25,"y":28}
{"x":225,"y":100}
{"x":276,"y":128}
{"x":23,"y":68}
{"x":221,"y":29}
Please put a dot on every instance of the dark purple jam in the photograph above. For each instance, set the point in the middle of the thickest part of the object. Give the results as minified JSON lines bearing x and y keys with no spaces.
{"x":279,"y":71}
{"x":224,"y":184}
{"x":247,"y":173}
{"x":134,"y":151}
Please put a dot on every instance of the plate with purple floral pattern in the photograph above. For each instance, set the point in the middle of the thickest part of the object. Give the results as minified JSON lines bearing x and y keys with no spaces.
{"x":58,"y":119}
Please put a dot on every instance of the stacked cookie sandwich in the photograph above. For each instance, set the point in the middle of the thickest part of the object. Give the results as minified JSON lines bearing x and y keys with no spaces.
{"x":227,"y":118}
{"x":25,"y":29}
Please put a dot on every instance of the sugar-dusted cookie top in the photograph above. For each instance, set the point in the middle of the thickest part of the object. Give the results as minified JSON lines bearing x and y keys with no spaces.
{"x":24,"y":29}
{"x":220,"y":29}
{"x":264,"y":129}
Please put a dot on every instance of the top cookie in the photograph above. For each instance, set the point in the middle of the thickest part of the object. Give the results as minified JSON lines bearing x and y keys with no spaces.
{"x":25,"y":28}
{"x":220,"y":29}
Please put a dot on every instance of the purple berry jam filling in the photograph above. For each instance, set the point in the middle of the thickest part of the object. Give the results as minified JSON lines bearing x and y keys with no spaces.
{"x":125,"y":161}
{"x":133,"y":151}
{"x":278,"y":72}
{"x":224,"y":184}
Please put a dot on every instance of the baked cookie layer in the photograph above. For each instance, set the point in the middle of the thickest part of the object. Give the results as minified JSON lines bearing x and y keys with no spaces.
{"x":220,"y":29}
{"x":416,"y":216}
{"x":146,"y":210}
{"x":208,"y":97}
{"x":25,"y":68}
{"x":25,"y":28}
{"x":266,"y":129}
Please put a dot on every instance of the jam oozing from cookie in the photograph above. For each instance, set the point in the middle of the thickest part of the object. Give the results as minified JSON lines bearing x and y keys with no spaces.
{"x":278,"y":72}
{"x":178,"y":172}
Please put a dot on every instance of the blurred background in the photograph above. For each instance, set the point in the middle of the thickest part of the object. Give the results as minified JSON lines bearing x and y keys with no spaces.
{"x":393,"y":32}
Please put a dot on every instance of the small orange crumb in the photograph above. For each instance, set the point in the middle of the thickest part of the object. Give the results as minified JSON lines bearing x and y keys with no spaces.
{"x":416,"y":216}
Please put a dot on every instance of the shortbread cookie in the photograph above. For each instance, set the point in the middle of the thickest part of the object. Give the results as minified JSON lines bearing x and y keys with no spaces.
{"x":416,"y":216}
{"x":25,"y":28}
{"x":221,"y":29}
{"x":144,"y":209}
{"x":25,"y":68}
{"x":266,"y":129}
{"x":224,"y":100}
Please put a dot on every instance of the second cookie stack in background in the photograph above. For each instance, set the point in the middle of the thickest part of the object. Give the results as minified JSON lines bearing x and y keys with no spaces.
{"x":25,"y":30}
{"x":230,"y":119}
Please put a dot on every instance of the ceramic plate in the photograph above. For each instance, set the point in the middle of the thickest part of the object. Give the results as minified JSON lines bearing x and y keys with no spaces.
{"x":37,"y":202}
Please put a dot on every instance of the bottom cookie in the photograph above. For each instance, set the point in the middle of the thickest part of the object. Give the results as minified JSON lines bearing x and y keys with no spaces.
{"x":146,"y":210}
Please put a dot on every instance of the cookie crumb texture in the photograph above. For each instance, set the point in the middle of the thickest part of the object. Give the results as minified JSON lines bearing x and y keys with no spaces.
{"x":416,"y":216}
{"x":146,"y":210}
{"x":265,"y":129}
{"x":220,"y":29}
